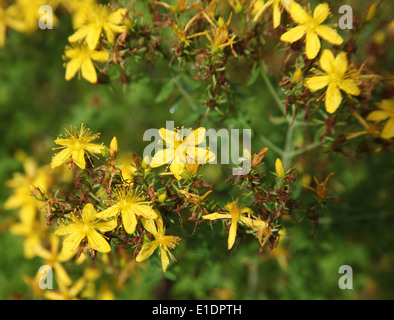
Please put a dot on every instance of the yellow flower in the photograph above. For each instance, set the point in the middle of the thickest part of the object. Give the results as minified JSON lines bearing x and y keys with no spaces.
{"x":280,"y":170}
{"x":312,"y":26}
{"x":321,"y":187}
{"x":126,"y":165}
{"x":180,"y":6}
{"x":130,"y":205}
{"x":194,"y":198}
{"x":84,"y":227}
{"x":276,"y":10}
{"x":31,"y":236}
{"x":165,"y":243}
{"x":76,"y":145}
{"x":21,"y":185}
{"x":181,"y":32}
{"x":386,"y":112}
{"x":97,"y":19}
{"x":220,"y":38}
{"x":24,"y":15}
{"x":80,"y":58}
{"x":235,"y":214}
{"x":370,"y":129}
{"x":4,"y":22}
{"x":54,"y":259}
{"x":338,"y":76}
{"x":180,"y":151}
{"x":66,"y":292}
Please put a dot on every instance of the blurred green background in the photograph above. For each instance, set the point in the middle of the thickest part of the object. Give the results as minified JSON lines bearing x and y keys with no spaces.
{"x":36,"y":103}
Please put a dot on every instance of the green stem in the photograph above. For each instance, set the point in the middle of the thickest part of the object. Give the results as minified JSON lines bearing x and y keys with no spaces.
{"x":272,"y":90}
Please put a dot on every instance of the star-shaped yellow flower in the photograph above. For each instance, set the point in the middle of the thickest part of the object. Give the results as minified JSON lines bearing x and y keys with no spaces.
{"x":235,"y":214}
{"x":76,"y":145}
{"x":80,"y":58}
{"x":162,"y":241}
{"x":180,"y":150}
{"x":85,"y":227}
{"x":312,"y":26}
{"x":130,"y":205}
{"x":338,"y":76}
{"x":386,"y":112}
{"x":97,"y":19}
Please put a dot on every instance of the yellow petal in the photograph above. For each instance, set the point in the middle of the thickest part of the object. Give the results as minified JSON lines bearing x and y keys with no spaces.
{"x":164,"y":259}
{"x":276,"y":15}
{"x":321,"y":13}
{"x":61,"y":157}
{"x":61,"y":274}
{"x":333,"y":98}
{"x":143,"y":210}
{"x":88,"y":213}
{"x":164,"y":156}
{"x":71,"y":242}
{"x":72,"y":67}
{"x":329,"y":34}
{"x":378,"y":115}
{"x":146,"y":250}
{"x":341,"y":64}
{"x":388,"y":130}
{"x":88,"y":71}
{"x":214,"y":216}
{"x":108,"y":213}
{"x":387,"y":105}
{"x":129,"y":220}
{"x":327,"y":61}
{"x":94,"y":148}
{"x":117,"y":16}
{"x":349,"y":86}
{"x":79,"y":35}
{"x":293,"y":34}
{"x":150,"y":226}
{"x":106,"y":226}
{"x":312,"y":45}
{"x":298,"y":14}
{"x":93,"y":37}
{"x":97,"y":242}
{"x":317,"y":83}
{"x":100,"y":56}
{"x":232,"y":235}
{"x":78,"y":156}
{"x":168,"y":136}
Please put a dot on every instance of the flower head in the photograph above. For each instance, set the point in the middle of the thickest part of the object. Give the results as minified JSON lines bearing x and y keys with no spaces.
{"x":80,"y":58}
{"x":338,"y":76}
{"x":85,"y":226}
{"x":181,"y":150}
{"x":386,"y":111}
{"x":162,"y":241}
{"x":75,"y":145}
{"x":97,"y":19}
{"x":312,"y":26}
{"x":235,"y":214}
{"x":129,"y":204}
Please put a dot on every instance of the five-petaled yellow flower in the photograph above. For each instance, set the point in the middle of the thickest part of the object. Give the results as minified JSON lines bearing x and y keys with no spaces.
{"x":338,"y":76}
{"x":80,"y":58}
{"x":130,"y":205}
{"x":180,"y":150}
{"x":386,"y":112}
{"x":165,"y":243}
{"x":97,"y":19}
{"x":85,"y":227}
{"x":312,"y":26}
{"x":235,"y":214}
{"x":76,"y":145}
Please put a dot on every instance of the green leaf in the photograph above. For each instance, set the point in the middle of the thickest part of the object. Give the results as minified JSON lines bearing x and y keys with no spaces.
{"x":165,"y":92}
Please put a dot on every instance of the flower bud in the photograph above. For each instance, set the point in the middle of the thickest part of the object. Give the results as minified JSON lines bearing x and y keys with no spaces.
{"x":371,"y":12}
{"x":161,"y":198}
{"x":297,"y":76}
{"x":280,"y":170}
{"x":113,"y":148}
